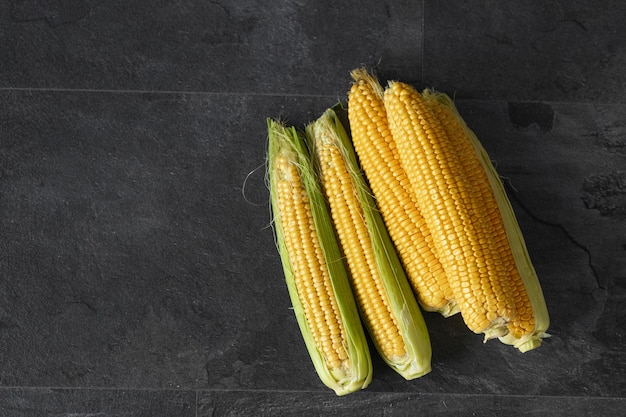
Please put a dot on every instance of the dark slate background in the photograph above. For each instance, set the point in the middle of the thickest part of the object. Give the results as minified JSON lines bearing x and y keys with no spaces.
{"x":138,"y":274}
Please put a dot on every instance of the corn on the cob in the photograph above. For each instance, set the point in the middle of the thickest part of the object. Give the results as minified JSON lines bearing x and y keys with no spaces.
{"x":395,"y":198}
{"x":531,"y":320}
{"x":315,"y":273}
{"x":387,"y":304}
{"x":462,"y":218}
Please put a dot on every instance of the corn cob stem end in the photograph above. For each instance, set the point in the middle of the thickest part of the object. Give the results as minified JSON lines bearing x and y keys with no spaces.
{"x":449,"y":309}
{"x":498,"y":328}
{"x":525,"y":343}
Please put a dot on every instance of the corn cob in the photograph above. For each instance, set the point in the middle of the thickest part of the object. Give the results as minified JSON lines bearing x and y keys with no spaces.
{"x":463,"y":218}
{"x":531,"y":320}
{"x":395,"y":198}
{"x":316,"y":276}
{"x":387,"y":304}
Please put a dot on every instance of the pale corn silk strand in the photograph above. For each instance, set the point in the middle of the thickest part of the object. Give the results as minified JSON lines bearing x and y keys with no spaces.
{"x":355,"y":239}
{"x":248,"y":176}
{"x":395,"y":197}
{"x":453,"y":212}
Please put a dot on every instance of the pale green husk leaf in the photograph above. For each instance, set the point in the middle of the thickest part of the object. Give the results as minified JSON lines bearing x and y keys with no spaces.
{"x":417,"y":360}
{"x":357,"y":371}
{"x":516,"y":240}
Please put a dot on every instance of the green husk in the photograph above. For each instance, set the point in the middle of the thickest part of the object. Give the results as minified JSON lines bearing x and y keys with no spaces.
{"x":417,"y":360}
{"x":357,"y":371}
{"x":514,"y":235}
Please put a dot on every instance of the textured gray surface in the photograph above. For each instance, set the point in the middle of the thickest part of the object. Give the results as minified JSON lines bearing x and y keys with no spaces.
{"x":401,"y":404}
{"x":138,"y":274}
{"x":45,"y":402}
{"x":225,"y":46}
{"x":527,"y":50}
